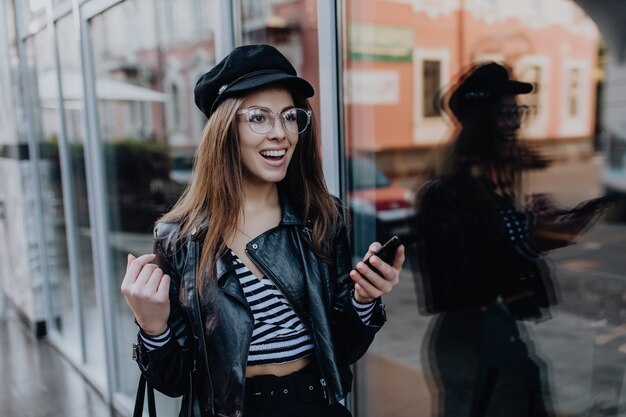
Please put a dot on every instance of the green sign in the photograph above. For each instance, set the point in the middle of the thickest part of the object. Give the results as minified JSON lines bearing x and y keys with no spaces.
{"x":379,"y":43}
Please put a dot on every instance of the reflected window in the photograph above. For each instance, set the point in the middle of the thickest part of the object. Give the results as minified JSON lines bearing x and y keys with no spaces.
{"x":175,"y":104}
{"x":431,"y":84}
{"x":535,"y":69}
{"x":48,"y":132}
{"x":532,"y":74}
{"x":398,"y":59}
{"x":573,"y":92}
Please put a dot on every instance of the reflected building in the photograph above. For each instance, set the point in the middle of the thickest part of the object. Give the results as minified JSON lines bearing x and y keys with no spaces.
{"x":401,"y":54}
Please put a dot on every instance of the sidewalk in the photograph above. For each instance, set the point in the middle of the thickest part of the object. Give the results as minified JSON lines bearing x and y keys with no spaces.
{"x":36,"y":381}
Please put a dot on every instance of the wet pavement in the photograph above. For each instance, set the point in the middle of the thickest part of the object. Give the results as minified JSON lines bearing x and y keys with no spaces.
{"x":36,"y":380}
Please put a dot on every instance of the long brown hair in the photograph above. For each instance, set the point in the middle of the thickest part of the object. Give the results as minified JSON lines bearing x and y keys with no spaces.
{"x":214,"y":197}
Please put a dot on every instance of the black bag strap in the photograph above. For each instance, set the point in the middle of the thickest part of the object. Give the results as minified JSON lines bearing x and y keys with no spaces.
{"x":144,"y":386}
{"x":141,"y":391}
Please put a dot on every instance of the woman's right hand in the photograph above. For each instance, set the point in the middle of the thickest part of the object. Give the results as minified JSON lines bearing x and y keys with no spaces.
{"x":146,"y":290}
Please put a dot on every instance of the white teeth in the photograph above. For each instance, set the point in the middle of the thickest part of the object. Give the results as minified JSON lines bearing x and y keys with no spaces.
{"x":277,"y":153}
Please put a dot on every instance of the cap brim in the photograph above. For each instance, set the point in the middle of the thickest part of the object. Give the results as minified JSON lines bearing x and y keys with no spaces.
{"x":297,"y":84}
{"x":514,"y":87}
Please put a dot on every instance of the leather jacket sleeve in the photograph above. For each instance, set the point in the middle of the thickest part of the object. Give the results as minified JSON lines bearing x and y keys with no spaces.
{"x":352,"y":337}
{"x":167,"y":368}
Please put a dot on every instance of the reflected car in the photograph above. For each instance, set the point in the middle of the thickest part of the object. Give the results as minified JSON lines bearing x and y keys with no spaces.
{"x":376,"y":201}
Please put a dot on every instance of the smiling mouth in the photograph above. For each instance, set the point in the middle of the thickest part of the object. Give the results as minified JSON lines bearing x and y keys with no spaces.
{"x":274,"y":155}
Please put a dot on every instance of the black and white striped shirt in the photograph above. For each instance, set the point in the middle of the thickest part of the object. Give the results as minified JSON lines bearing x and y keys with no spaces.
{"x":279,"y":336}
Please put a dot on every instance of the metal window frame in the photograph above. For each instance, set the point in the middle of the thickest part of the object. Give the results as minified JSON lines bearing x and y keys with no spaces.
{"x":96,"y":191}
{"x":225,"y":26}
{"x":3,"y":44}
{"x":33,"y":160}
{"x":329,"y":15}
{"x":67,"y":184}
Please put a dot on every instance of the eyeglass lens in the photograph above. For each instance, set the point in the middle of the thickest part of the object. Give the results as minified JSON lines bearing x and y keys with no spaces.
{"x":519,"y":111}
{"x":262,"y":120}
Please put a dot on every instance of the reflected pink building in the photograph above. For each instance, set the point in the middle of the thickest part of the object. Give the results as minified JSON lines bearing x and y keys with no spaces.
{"x":403,"y":53}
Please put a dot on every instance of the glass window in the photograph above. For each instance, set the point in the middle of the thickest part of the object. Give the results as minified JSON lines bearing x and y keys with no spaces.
{"x":33,"y":10}
{"x":48,"y":131}
{"x":431,"y":86}
{"x":533,"y":74}
{"x":72,"y":87}
{"x":534,"y":69}
{"x":290,"y":26}
{"x":399,"y":59}
{"x":146,"y":64}
{"x":577,"y":93}
{"x":573,"y":92}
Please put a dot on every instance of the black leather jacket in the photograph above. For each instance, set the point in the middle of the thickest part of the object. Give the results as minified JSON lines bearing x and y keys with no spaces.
{"x":206,"y":361}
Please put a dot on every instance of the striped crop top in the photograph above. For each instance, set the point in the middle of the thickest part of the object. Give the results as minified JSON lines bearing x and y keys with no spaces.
{"x":278,"y":336}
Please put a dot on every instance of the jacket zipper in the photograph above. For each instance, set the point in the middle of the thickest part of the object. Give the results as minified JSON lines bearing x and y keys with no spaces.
{"x":247,"y":306}
{"x":202,"y":339}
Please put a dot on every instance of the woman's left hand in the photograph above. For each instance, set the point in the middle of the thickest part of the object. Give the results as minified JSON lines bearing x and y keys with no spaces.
{"x":368,"y":284}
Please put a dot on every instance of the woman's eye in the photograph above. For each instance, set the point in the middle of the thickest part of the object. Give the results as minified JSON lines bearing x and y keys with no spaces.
{"x":257,"y":118}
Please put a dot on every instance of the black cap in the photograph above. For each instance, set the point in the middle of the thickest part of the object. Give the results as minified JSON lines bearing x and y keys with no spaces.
{"x":247,"y":68}
{"x":484,"y":83}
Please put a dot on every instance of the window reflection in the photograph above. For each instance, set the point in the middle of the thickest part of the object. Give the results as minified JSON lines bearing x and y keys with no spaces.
{"x":431,"y":83}
{"x":399,"y":59}
{"x":290,"y":26}
{"x":146,"y":63}
{"x":48,"y":134}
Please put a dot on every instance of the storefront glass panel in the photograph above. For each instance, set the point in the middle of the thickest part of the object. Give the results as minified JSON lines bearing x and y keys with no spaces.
{"x":73,"y":102}
{"x":147,"y":59}
{"x":400,"y":60}
{"x":33,"y":10}
{"x":290,"y":26}
{"x":47,"y":132}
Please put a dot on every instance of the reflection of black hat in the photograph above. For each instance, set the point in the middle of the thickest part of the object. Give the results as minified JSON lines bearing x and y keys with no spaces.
{"x":484,"y":83}
{"x":247,"y":68}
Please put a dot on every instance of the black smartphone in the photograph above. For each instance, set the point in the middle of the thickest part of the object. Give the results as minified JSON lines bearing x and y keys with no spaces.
{"x":388,"y":251}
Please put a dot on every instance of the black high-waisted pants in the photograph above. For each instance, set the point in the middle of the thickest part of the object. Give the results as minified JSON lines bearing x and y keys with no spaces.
{"x":296,"y":395}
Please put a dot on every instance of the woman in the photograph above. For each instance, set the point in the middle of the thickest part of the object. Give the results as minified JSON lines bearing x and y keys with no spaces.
{"x":481,"y":255}
{"x":243,"y":308}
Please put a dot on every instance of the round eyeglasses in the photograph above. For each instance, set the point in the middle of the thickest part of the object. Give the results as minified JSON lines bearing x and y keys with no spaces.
{"x":514,"y":111}
{"x":261,"y":120}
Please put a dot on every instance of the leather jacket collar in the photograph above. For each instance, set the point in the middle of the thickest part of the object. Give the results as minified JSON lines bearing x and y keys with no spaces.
{"x":290,"y":217}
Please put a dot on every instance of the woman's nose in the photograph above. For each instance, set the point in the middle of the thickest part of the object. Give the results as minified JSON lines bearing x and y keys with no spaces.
{"x":278,"y":130}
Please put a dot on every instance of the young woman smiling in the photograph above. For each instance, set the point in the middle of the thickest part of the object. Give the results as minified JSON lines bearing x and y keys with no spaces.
{"x":242,"y":307}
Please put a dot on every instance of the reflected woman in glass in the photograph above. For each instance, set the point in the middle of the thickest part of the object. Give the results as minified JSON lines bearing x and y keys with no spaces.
{"x":480,"y":255}
{"x":250,"y":305}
